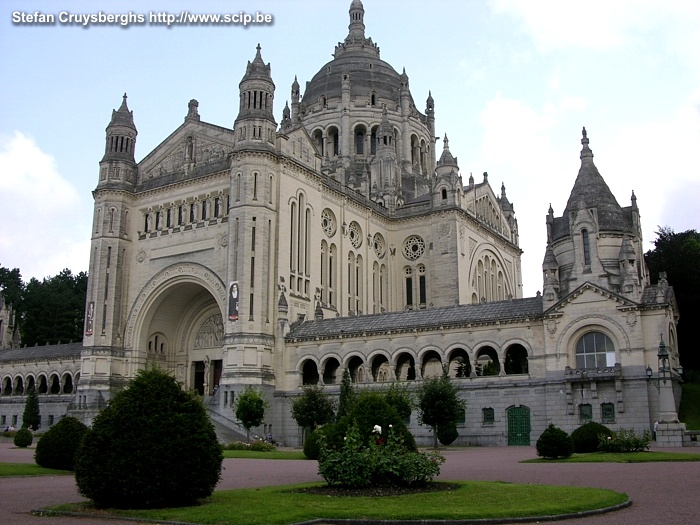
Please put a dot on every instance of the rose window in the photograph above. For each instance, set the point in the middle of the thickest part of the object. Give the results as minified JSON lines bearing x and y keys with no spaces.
{"x":328,"y":223}
{"x":379,"y":245}
{"x":413,"y":248}
{"x":355,"y":234}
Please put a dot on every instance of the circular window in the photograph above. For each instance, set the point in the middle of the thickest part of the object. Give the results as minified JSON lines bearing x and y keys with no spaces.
{"x":328,"y":222}
{"x":413,"y":247}
{"x":379,"y":245}
{"x":355,"y":234}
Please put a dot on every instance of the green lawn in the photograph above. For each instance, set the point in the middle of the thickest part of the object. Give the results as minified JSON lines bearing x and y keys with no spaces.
{"x":471,"y":500}
{"x":275,"y":454}
{"x":689,"y":412}
{"x":28,"y":469}
{"x":630,"y":457}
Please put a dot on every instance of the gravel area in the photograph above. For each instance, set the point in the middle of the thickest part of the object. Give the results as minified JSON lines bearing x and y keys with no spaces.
{"x":662,"y":493}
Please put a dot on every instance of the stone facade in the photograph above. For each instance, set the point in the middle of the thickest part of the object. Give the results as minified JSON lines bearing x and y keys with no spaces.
{"x":278,"y":254}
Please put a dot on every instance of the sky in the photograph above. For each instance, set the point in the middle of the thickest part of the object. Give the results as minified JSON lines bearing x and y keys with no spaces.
{"x":514,"y":82}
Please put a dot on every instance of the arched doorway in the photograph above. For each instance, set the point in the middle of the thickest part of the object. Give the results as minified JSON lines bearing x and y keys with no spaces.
{"x":177,"y":325}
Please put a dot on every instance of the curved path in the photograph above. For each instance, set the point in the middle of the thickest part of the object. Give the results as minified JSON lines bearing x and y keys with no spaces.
{"x":662,"y":493}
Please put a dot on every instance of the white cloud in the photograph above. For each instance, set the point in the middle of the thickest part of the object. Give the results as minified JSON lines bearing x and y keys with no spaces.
{"x":517,"y":150}
{"x":602,"y":24}
{"x":658,"y":159}
{"x":48,"y":218}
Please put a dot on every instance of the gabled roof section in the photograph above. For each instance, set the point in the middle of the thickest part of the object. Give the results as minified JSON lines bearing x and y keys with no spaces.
{"x":421,"y":320}
{"x":571,"y":297}
{"x":166,"y":163}
{"x":42,"y":353}
{"x":591,"y":191}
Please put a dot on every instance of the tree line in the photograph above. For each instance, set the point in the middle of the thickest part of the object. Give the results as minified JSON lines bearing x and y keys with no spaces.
{"x":48,"y":311}
{"x":678,"y":254}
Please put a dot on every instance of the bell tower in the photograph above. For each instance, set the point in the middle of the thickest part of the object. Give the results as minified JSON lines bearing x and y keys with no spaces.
{"x":112,"y":236}
{"x":252,"y":244}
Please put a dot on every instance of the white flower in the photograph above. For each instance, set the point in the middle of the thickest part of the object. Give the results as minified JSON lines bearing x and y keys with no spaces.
{"x":377,"y":429}
{"x":391,"y":426}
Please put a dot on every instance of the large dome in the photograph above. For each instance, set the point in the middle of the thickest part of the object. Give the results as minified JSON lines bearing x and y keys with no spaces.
{"x":368,"y":74}
{"x":357,"y":56}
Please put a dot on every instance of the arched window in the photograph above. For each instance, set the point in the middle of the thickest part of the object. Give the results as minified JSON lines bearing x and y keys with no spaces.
{"x":309,"y":373}
{"x":595,"y":350}
{"x":586,"y":248}
{"x":360,"y":141}
{"x":408,"y":279}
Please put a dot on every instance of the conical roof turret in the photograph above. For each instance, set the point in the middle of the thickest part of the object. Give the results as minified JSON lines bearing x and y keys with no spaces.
{"x":446,"y":159}
{"x":257,"y":69}
{"x":122,"y":116}
{"x":256,"y":90}
{"x":591,"y":191}
{"x":120,"y":135}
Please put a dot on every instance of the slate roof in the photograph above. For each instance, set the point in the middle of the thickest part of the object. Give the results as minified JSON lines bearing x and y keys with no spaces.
{"x":650,"y":292}
{"x":591,"y":191}
{"x":42,"y":353}
{"x":433,"y":318}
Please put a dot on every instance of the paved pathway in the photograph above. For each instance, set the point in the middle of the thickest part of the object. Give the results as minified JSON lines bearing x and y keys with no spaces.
{"x":662,"y":493}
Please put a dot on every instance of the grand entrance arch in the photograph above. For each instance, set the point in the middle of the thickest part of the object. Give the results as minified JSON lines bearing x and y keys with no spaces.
{"x":177,"y":324}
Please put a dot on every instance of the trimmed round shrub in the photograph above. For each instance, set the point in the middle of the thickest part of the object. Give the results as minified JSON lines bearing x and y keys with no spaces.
{"x":586,"y":437}
{"x":554,"y":443}
{"x":152,"y":447}
{"x":447,"y":434}
{"x":311,"y":445}
{"x":23,"y":438}
{"x":58,"y":446}
{"x":333,"y":433}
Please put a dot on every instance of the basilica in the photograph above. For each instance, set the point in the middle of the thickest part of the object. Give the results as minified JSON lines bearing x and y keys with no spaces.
{"x":344,"y":237}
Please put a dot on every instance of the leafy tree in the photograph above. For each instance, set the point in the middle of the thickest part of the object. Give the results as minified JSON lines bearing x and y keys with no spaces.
{"x":153,"y":446}
{"x":463,"y":369}
{"x":54,"y":309}
{"x":439,"y":404}
{"x":678,"y":254}
{"x":250,"y":408}
{"x":46,"y":311}
{"x":11,"y":286}
{"x":23,"y":438}
{"x":31,"y":416}
{"x":398,"y":396}
{"x":372,"y":408}
{"x":12,"y":290}
{"x":313,"y":408}
{"x":347,"y":395}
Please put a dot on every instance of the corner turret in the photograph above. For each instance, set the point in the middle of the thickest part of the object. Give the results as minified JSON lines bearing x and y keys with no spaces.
{"x":118,"y":165}
{"x":255,"y":122}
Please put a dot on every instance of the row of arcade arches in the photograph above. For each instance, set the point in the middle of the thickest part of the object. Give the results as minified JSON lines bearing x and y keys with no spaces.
{"x":406,"y":366}
{"x":53,"y":383}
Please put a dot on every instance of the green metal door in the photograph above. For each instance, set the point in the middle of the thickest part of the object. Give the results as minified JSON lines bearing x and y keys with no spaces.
{"x":518,"y":425}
